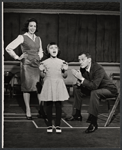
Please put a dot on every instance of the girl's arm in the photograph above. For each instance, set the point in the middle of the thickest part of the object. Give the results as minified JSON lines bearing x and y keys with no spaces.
{"x":42,"y":74}
{"x":64,"y":74}
{"x":14,"y":44}
{"x":64,"y":69}
{"x":42,"y":70}
{"x":40,"y":53}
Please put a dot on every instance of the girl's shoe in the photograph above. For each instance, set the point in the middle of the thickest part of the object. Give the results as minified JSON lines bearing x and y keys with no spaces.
{"x":50,"y":129}
{"x":58,"y":129}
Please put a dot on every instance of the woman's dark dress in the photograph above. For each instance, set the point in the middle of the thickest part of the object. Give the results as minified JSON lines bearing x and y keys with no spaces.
{"x":30,"y":73}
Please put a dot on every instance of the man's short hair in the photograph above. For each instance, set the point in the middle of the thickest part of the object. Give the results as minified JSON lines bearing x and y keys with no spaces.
{"x":88,"y":55}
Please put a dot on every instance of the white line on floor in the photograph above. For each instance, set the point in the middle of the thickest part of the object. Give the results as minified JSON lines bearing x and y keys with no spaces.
{"x":35,"y":124}
{"x":17,"y":105}
{"x":23,"y":114}
{"x":67,"y":123}
{"x":17,"y":120}
{"x":14,"y":117}
{"x":18,"y":114}
{"x":31,"y":113}
{"x":61,"y":127}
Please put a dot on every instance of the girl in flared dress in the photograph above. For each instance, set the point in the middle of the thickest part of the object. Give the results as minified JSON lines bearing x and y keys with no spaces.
{"x":54,"y":90}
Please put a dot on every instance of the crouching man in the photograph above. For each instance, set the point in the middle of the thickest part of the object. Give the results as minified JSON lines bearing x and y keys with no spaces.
{"x":92,"y":80}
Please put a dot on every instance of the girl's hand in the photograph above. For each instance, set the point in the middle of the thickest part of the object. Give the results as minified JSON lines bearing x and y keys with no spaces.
{"x":65,"y":66}
{"x":24,"y":55}
{"x":41,"y":67}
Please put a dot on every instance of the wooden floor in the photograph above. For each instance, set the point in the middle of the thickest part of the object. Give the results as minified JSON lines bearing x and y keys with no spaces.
{"x":21,"y":133}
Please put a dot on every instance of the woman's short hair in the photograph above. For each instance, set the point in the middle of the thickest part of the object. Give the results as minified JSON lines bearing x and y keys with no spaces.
{"x":25,"y":28}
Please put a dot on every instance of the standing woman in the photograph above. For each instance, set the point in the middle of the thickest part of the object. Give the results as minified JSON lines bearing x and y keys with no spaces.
{"x":32,"y":53}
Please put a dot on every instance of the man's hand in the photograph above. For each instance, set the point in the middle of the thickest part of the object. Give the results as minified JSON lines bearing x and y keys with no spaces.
{"x":78,"y":83}
{"x":77,"y":74}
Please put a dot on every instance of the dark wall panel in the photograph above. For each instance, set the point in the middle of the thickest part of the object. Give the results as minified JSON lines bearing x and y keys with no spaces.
{"x":91,"y":35}
{"x":100,"y":38}
{"x":11,"y":30}
{"x":100,"y":35}
{"x":63,"y":36}
{"x":117,"y":39}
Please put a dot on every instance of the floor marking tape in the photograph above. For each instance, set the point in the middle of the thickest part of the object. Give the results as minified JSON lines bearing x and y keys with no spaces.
{"x":19,"y":105}
{"x":61,"y":127}
{"x":35,"y":124}
{"x":67,"y":123}
{"x":37,"y":113}
{"x":14,"y":117}
{"x":18,"y":114}
{"x":17,"y":120}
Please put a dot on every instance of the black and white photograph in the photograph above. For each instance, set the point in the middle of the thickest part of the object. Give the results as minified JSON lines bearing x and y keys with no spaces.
{"x":61,"y":74}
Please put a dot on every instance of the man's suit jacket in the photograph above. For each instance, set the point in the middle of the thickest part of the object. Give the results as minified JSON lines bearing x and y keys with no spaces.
{"x":97,"y":79}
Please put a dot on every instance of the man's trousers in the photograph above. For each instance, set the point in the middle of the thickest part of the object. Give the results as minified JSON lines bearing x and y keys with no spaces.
{"x":95,"y":97}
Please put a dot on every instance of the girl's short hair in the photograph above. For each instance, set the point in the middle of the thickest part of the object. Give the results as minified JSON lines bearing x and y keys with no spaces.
{"x":25,"y":28}
{"x":51,"y":43}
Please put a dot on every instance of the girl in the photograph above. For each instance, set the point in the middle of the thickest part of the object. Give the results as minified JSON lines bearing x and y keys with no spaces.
{"x":32,"y":53}
{"x":54,"y":90}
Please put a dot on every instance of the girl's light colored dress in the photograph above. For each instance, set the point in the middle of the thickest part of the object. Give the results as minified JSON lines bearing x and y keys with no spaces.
{"x":54,"y":88}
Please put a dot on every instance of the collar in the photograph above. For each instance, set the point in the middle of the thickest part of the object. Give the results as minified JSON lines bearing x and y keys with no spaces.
{"x":88,"y":69}
{"x":30,"y":36}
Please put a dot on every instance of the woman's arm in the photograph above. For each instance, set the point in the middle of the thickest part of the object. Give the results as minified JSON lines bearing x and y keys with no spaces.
{"x":40,"y":53}
{"x":14,"y":44}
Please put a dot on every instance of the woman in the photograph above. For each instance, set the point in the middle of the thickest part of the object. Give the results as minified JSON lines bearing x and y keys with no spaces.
{"x":32,"y":53}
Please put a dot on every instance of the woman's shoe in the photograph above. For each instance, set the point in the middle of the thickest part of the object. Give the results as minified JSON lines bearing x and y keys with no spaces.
{"x":29,"y":118}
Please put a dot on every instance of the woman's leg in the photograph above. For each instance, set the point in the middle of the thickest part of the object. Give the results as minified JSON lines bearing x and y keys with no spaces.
{"x":26,"y":97}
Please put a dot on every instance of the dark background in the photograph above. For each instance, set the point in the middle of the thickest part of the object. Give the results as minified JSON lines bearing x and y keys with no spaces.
{"x":98,"y":34}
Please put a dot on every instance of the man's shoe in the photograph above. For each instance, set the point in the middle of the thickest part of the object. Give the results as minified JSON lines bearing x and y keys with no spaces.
{"x":50,"y":129}
{"x":74,"y":118}
{"x":91,"y":128}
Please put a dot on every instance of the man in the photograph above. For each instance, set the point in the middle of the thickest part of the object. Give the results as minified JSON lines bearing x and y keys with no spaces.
{"x":92,"y":80}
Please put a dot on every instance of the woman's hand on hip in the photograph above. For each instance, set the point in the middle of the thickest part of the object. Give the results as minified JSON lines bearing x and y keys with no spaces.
{"x":24,"y":55}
